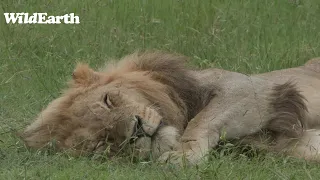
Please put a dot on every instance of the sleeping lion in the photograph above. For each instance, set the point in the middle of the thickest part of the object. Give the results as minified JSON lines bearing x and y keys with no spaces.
{"x":151,"y":105}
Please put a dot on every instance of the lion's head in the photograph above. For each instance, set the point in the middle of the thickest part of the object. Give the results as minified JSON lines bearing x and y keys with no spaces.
{"x":141,"y":104}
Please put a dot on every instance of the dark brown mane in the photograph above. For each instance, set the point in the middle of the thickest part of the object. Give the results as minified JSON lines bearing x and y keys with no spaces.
{"x":290,"y":110}
{"x":171,"y":70}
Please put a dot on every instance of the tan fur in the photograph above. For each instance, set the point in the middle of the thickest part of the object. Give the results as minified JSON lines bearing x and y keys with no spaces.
{"x":151,"y":103}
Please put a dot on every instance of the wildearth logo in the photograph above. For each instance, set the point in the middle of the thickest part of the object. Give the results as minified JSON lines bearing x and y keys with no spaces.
{"x":40,"y":18}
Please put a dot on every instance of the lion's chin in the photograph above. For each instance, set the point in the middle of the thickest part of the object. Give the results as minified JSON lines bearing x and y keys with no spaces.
{"x":165,"y":139}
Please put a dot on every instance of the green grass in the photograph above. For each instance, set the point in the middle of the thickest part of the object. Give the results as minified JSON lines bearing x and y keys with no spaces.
{"x":248,"y":36}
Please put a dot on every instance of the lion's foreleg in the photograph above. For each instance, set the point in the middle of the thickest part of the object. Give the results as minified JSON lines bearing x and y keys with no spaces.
{"x":230,"y":118}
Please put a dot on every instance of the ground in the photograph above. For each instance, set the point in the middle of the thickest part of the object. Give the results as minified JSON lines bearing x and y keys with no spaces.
{"x":246,"y":36}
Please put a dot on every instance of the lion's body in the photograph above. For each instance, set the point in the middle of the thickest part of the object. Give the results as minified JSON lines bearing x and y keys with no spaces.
{"x":243,"y":109}
{"x":307,"y":78}
{"x":150,"y":100}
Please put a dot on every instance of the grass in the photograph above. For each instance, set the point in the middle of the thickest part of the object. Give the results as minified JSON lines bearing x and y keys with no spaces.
{"x":246,"y":36}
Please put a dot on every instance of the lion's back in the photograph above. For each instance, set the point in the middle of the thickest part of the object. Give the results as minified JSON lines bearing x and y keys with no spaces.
{"x":313,"y":64}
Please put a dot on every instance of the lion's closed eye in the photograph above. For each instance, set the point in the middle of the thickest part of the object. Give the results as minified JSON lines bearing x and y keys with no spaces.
{"x":108,"y":102}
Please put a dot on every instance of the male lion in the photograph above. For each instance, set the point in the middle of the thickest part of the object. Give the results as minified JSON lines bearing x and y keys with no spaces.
{"x":151,"y":104}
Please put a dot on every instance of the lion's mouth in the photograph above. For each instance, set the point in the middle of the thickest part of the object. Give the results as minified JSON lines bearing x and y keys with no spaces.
{"x":100,"y":146}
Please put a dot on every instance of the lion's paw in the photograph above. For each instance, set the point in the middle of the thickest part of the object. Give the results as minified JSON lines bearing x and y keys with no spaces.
{"x":180,"y":158}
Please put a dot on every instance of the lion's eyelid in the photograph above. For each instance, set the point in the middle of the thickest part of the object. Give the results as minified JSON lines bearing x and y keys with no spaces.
{"x":108,"y":102}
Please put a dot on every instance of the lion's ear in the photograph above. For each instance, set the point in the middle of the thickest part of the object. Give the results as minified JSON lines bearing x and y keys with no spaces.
{"x":83,"y":75}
